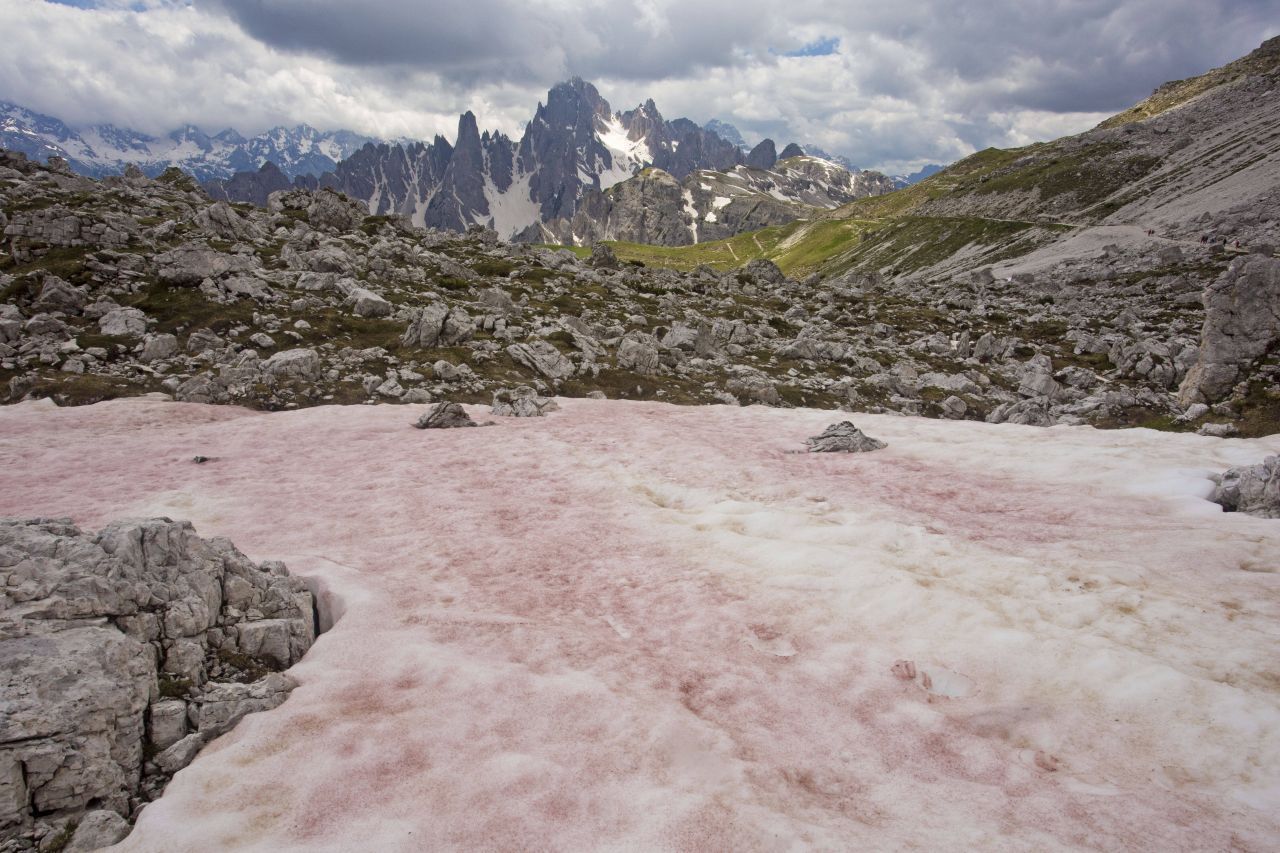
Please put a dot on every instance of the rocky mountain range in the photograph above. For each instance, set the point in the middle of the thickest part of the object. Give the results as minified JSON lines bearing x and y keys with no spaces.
{"x":576,"y":161}
{"x":574,"y":148}
{"x":107,"y":150}
{"x":575,"y":143}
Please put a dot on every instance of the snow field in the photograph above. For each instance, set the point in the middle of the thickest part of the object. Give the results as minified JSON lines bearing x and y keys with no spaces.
{"x":639,"y":626}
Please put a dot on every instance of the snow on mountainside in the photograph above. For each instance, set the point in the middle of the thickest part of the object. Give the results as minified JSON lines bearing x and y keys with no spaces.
{"x":107,"y":150}
{"x":711,"y":204}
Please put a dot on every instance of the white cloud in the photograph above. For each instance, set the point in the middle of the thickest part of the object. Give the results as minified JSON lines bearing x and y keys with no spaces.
{"x":909,"y":83}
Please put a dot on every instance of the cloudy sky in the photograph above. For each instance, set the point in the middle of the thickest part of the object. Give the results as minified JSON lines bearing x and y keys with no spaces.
{"x":891,"y":85}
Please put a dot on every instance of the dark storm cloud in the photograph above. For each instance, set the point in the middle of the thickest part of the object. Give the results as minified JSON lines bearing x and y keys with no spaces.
{"x":505,"y":40}
{"x":888,"y":84}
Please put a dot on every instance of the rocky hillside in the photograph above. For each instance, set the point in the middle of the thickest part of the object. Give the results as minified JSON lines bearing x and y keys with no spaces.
{"x":107,"y":150}
{"x":1200,"y":158}
{"x":130,"y":285}
{"x":657,"y":209}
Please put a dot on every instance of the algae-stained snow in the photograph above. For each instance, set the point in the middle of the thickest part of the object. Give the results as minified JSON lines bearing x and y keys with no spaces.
{"x":637,"y":626}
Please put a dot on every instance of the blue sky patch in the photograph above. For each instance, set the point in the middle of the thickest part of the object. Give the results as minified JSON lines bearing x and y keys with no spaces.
{"x":821,"y":47}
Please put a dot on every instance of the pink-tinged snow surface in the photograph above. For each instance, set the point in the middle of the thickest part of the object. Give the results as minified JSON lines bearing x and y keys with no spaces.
{"x":636,"y":626}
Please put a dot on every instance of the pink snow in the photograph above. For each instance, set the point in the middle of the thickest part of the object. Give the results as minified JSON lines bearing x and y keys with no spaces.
{"x":632,"y":625}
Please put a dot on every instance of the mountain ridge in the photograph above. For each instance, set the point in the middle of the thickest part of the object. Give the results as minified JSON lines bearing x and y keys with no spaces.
{"x":105,"y":149}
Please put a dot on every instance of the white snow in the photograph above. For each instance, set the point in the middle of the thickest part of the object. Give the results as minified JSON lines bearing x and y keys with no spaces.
{"x":629,"y":155}
{"x":691,"y":213}
{"x":720,"y":201}
{"x":513,"y":210}
{"x":639,"y":626}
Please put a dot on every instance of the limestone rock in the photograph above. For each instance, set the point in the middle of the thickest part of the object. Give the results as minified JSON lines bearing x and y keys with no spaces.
{"x":522,"y":402}
{"x":92,"y":627}
{"x":366,"y":303}
{"x":59,"y":295}
{"x":123,"y":322}
{"x":96,"y":830}
{"x":843,"y":437}
{"x":438,"y":325}
{"x":603,"y":258}
{"x":543,"y":358}
{"x":159,"y":347}
{"x":192,"y":263}
{"x":1241,"y":323}
{"x":302,"y":363}
{"x":1251,"y":489}
{"x":445,"y":415}
{"x":638,"y":352}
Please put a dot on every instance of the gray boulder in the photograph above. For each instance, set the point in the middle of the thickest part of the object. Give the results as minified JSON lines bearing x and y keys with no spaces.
{"x":445,"y":415}
{"x":192,"y":263}
{"x":603,"y":258}
{"x":123,"y":322}
{"x":335,"y":213}
{"x":96,"y":830}
{"x":59,"y":295}
{"x":522,"y":402}
{"x":638,"y":352}
{"x":438,"y":325}
{"x":1251,"y":489}
{"x":1241,"y":324}
{"x":543,"y":358}
{"x":159,"y":347}
{"x":843,"y":437}
{"x":302,"y":364}
{"x":764,"y":271}
{"x":365,"y":303}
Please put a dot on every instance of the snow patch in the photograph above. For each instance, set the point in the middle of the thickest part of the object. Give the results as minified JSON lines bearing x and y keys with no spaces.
{"x":629,"y":155}
{"x":514,"y":210}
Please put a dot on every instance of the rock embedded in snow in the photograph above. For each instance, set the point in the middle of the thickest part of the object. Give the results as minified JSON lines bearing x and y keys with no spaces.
{"x":94,"y":629}
{"x":96,"y":830}
{"x":522,"y":402}
{"x":445,"y":415}
{"x":1251,"y":489}
{"x":843,"y":437}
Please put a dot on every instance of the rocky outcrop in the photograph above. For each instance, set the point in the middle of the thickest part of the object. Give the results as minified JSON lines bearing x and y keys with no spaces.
{"x":522,"y":402}
{"x":843,"y":437}
{"x":1251,"y":489}
{"x":1241,"y":325}
{"x":574,"y":144}
{"x":121,"y":654}
{"x":445,"y":415}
